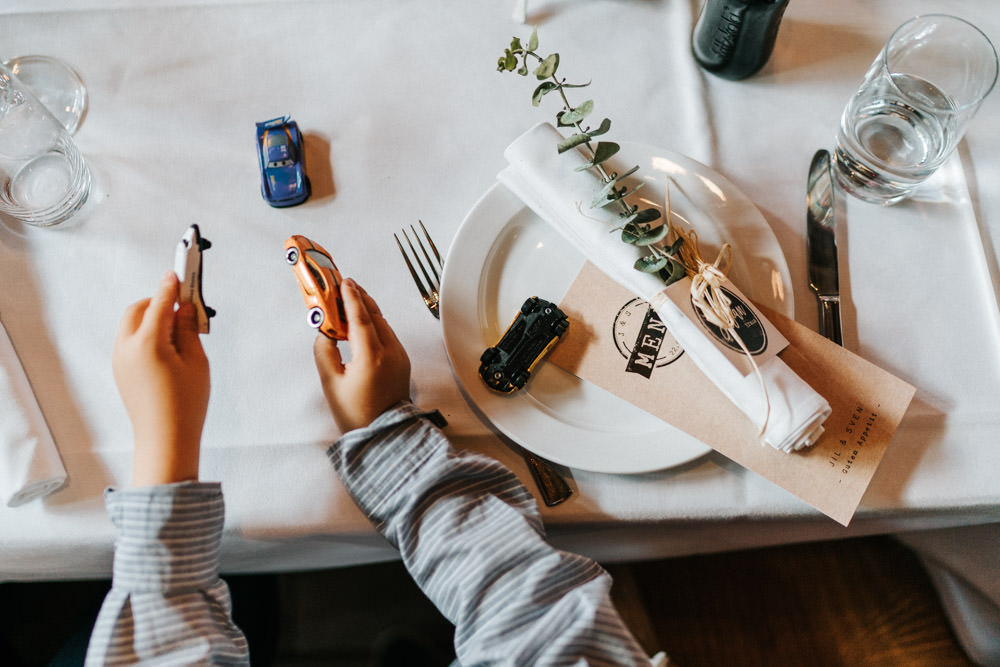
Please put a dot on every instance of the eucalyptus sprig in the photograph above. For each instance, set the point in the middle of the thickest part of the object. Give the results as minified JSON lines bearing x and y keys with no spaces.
{"x":636,"y":225}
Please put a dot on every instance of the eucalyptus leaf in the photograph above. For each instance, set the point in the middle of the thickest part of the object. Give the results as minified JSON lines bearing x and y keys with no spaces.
{"x":576,"y":114}
{"x":626,"y":219}
{"x":609,"y":193}
{"x":602,"y":129}
{"x":542,"y":90}
{"x":572,"y":142}
{"x":547,"y":67}
{"x":515,"y":45}
{"x":651,"y":236}
{"x":673,"y":272}
{"x":533,"y":40}
{"x":629,"y":236}
{"x":604,"y":194}
{"x":647,"y":215}
{"x":651,"y":263}
{"x":610,"y":198}
{"x":604,"y":151}
{"x":627,"y":173}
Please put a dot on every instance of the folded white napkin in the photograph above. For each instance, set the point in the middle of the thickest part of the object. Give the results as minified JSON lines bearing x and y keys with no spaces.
{"x":548,"y":183}
{"x":30,"y":466}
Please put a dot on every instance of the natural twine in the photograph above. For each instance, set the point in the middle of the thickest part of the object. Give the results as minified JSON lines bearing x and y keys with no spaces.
{"x":706,"y":290}
{"x":707,"y":295}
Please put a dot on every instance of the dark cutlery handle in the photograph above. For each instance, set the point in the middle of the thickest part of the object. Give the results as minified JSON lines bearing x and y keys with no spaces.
{"x":829,"y":319}
{"x":552,"y":486}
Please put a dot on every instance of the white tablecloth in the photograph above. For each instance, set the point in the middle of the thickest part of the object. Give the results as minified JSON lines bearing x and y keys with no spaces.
{"x":405,"y":117}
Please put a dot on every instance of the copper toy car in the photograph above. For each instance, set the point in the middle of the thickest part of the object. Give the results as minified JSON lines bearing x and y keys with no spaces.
{"x":319,"y":281}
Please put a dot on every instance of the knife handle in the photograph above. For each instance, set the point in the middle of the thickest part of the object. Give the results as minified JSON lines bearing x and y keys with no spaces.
{"x":553,"y":487}
{"x":829,"y":318}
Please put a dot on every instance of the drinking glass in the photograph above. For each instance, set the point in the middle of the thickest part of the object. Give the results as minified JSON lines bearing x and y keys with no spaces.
{"x":913,"y":106}
{"x":55,"y":84}
{"x":43,"y":178}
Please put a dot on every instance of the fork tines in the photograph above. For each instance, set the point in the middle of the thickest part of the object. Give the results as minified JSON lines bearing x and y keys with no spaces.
{"x":429,"y":286}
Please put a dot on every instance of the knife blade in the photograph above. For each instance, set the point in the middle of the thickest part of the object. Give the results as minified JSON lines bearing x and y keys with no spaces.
{"x":821,"y":245}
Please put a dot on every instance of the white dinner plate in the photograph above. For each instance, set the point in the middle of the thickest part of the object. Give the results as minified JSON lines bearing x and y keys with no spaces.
{"x":504,"y":253}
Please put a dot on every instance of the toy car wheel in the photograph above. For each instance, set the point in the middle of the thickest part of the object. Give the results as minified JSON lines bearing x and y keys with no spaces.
{"x":316,"y":317}
{"x":490,"y":355}
{"x":529,"y":305}
{"x":292,"y":255}
{"x":559,"y":328}
{"x":519,"y":380}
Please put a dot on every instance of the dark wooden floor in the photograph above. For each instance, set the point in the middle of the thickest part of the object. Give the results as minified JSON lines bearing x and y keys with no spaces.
{"x":853,"y":602}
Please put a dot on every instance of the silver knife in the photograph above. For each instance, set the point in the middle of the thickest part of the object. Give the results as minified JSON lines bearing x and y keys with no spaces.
{"x":821,"y":245}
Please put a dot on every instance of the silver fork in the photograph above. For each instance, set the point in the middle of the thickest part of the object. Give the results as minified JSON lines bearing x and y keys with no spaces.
{"x":550,"y":483}
{"x":430,"y":289}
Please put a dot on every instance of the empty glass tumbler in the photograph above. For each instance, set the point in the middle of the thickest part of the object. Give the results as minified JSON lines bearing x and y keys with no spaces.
{"x":43,"y":176}
{"x":913,"y":106}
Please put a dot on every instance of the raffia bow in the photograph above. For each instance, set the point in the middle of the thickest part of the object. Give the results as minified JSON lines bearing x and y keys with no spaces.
{"x":709,"y":298}
{"x":706,"y":289}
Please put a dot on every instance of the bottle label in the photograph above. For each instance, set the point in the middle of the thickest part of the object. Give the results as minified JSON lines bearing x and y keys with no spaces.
{"x":727,"y":30}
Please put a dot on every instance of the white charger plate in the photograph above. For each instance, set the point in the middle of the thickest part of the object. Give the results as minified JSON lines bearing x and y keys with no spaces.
{"x":504,"y":253}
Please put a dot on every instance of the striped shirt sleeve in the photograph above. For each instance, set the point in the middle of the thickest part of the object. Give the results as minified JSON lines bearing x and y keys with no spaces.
{"x":167,"y":604}
{"x":471,"y":537}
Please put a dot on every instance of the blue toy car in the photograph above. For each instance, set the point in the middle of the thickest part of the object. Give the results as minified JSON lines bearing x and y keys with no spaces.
{"x":283,"y":180}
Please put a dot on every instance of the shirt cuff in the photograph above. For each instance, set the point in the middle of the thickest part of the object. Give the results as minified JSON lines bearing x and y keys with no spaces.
{"x":377,"y":461}
{"x":167,"y":537}
{"x":399,"y":413}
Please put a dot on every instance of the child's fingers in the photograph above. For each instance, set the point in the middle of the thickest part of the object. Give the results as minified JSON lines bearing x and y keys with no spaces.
{"x":132,"y":318}
{"x":328,"y":360}
{"x":362,"y":336}
{"x":159,"y":315}
{"x":186,"y":329}
{"x":385,"y":332}
{"x":367,"y":299}
{"x":186,"y":317}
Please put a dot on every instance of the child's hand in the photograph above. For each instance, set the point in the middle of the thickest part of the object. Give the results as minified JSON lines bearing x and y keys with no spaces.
{"x":162,"y":375}
{"x":378,"y":375}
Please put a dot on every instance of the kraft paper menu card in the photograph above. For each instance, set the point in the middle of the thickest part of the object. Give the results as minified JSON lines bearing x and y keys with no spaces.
{"x":616,"y":342}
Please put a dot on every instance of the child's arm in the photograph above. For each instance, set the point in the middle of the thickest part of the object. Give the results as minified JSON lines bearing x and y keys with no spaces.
{"x":167,"y":601}
{"x":468,"y":531}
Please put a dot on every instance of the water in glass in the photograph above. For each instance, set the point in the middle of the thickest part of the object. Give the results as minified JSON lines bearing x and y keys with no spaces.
{"x":893,"y":136}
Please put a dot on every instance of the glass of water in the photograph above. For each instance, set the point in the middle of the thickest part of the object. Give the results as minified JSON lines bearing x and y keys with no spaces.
{"x":55,"y":84}
{"x":43,"y":178}
{"x":913,"y":106}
